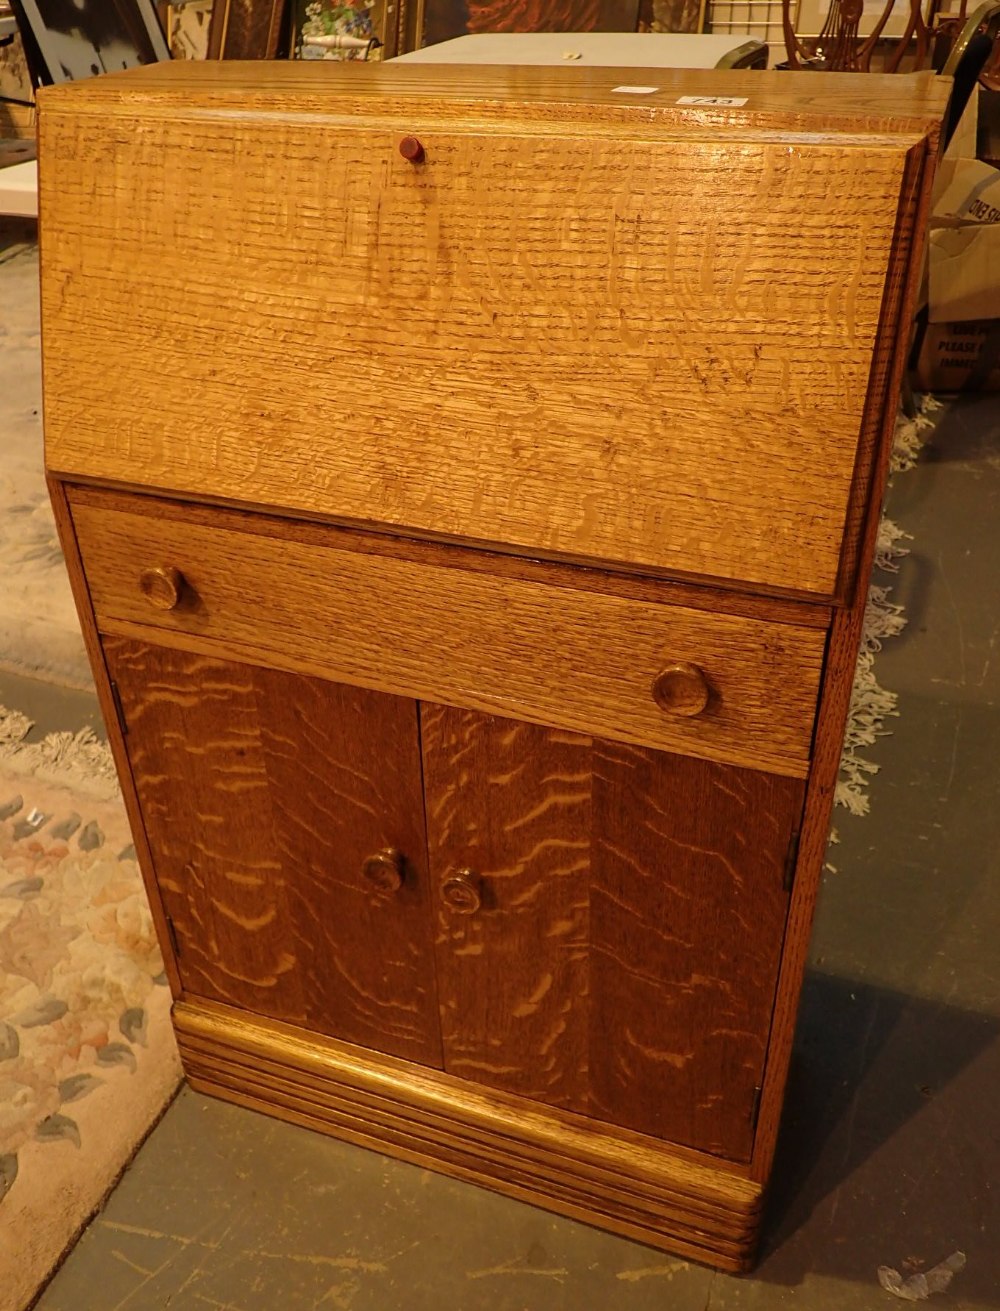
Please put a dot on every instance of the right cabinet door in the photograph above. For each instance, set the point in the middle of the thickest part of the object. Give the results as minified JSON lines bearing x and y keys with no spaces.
{"x":609,"y":923}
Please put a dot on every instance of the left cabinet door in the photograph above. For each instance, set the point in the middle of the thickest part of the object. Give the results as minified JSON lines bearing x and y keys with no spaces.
{"x":286,"y":822}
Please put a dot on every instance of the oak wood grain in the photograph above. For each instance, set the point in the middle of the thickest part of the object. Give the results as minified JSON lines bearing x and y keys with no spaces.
{"x":595,"y":329}
{"x":109,"y":712}
{"x":624,"y":957}
{"x":578,"y":577}
{"x":511,"y":802}
{"x":882,"y":401}
{"x":687,"y":914}
{"x":195,"y":751}
{"x":262,"y":795}
{"x":343,"y":768}
{"x":836,"y":102}
{"x":646,"y":347}
{"x":566,"y":658}
{"x":839,"y":674}
{"x":644,"y":1190}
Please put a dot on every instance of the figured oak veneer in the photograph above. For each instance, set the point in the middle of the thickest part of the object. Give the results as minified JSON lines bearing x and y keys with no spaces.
{"x":576,"y":659}
{"x":469,"y":480}
{"x":623,"y":954}
{"x":636,"y":340}
{"x":263,"y":794}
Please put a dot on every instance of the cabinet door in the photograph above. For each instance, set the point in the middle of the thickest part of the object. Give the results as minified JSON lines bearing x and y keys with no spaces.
{"x":263,"y":795}
{"x":610,"y":921}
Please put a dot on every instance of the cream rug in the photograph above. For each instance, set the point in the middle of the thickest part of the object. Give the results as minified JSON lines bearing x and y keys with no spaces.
{"x":87,"y":1056}
{"x":871,"y":704}
{"x":39,"y":632}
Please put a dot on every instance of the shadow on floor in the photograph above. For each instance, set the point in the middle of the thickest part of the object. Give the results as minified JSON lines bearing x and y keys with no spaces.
{"x":965,"y":432}
{"x":886,"y":1142}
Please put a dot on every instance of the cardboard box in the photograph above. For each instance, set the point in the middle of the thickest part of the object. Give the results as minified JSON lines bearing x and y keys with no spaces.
{"x":958,"y":356}
{"x":958,"y":345}
{"x":964,"y":247}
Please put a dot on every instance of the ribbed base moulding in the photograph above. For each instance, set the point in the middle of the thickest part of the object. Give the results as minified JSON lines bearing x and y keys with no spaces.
{"x":620,"y":1181}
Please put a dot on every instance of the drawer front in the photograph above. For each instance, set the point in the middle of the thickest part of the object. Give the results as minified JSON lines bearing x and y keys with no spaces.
{"x":719,"y":686}
{"x":629,"y":346}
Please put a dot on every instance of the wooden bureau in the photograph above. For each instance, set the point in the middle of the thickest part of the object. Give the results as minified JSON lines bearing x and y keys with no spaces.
{"x":469,"y":481}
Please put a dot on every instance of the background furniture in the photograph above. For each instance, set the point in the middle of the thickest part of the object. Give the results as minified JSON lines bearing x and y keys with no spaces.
{"x":479,"y":730}
{"x":762,"y":18}
{"x":599,"y":49}
{"x":442,"y":20}
{"x":67,"y":39}
{"x":246,"y":29}
{"x":839,"y":46}
{"x":19,"y":189}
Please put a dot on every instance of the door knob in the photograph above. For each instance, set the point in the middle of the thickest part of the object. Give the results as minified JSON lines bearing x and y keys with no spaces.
{"x":162,"y":586}
{"x":384,"y":870}
{"x":462,"y":893}
{"x":681,"y":689}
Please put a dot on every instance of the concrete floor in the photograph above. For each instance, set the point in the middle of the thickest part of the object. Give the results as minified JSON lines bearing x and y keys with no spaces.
{"x":890,"y":1149}
{"x":52,"y":708}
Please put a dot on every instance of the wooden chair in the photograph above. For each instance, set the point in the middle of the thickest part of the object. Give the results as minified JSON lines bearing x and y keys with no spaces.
{"x":976,"y":43}
{"x":975,"y":57}
{"x":840,"y":48}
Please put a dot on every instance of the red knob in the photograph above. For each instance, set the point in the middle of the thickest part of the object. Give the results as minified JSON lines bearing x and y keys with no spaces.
{"x":411,"y":149}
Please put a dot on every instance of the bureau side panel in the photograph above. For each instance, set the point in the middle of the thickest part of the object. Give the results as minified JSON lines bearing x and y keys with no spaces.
{"x":845,"y":639}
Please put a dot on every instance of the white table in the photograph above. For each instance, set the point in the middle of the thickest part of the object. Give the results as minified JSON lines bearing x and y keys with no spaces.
{"x":598,"y":49}
{"x":19,"y":189}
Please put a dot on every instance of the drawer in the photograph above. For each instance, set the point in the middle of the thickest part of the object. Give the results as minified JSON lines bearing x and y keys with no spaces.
{"x":637,"y":343}
{"x":721,"y":686}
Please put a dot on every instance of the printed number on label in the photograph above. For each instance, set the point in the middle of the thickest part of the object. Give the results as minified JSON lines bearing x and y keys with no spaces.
{"x":735,"y":101}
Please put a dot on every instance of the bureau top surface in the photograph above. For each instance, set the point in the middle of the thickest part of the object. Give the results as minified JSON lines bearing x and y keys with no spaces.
{"x":578,"y":322}
{"x":830,"y":103}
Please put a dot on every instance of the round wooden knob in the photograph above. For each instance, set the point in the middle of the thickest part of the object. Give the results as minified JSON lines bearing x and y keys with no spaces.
{"x":162,"y":586}
{"x":461,"y":892}
{"x":411,"y":149}
{"x":384,"y":870}
{"x":681,"y":689}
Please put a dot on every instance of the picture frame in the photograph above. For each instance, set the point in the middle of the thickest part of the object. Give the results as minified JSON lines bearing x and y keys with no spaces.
{"x":246,"y":29}
{"x":442,"y":20}
{"x":353,"y":29}
{"x":65,"y":40}
{"x":186,"y":26}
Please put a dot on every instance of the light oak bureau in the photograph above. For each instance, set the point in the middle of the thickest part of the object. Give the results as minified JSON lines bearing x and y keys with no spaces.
{"x":469,"y":480}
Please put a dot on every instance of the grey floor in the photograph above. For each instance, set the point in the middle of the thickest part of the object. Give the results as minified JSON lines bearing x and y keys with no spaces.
{"x":890,"y":1147}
